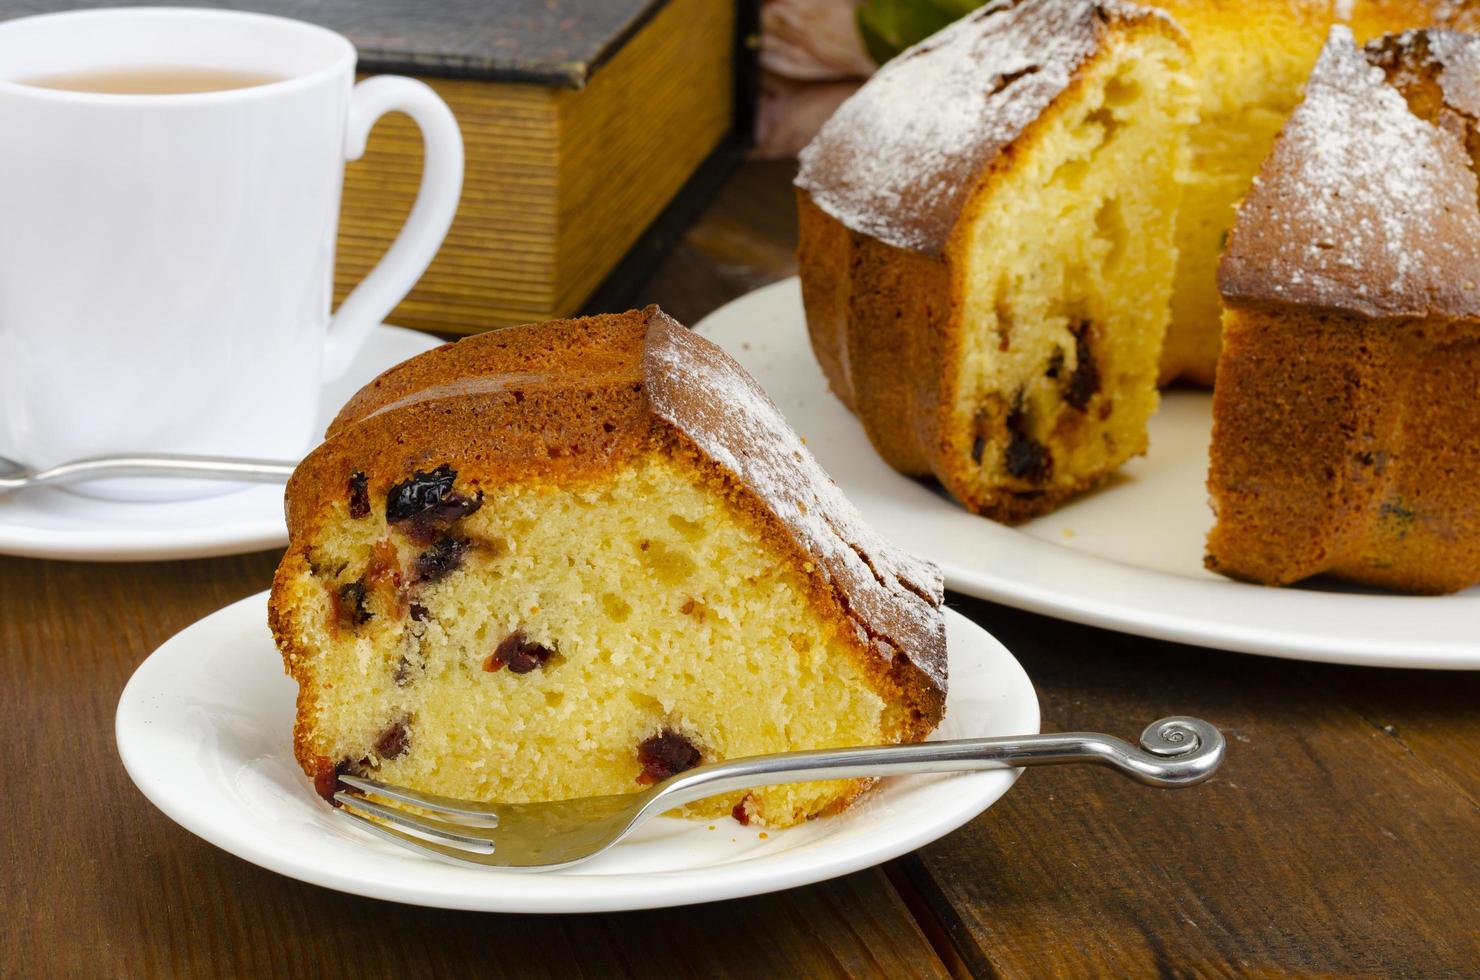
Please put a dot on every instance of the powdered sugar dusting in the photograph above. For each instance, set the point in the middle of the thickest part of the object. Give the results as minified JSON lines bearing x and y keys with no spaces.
{"x":898,"y":159}
{"x":1458,"y":56}
{"x":894,"y":598}
{"x":1361,"y":205}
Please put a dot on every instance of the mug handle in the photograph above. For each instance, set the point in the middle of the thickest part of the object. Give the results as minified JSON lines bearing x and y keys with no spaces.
{"x":372,"y":300}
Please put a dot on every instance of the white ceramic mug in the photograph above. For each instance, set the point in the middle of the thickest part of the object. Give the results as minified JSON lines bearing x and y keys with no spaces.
{"x":166,"y":261}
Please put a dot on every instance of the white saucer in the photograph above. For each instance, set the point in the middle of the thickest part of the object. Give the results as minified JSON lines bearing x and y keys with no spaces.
{"x":1126,"y":557}
{"x":205,"y":725}
{"x":52,"y":523}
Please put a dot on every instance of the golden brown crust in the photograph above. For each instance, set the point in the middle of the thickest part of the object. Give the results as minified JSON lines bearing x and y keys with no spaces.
{"x":1344,"y":444}
{"x":877,"y":315}
{"x":573,"y":400}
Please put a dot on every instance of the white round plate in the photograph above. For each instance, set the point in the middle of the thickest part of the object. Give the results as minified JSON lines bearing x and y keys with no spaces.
{"x":49,"y":522}
{"x":205,"y":728}
{"x":1126,"y":557}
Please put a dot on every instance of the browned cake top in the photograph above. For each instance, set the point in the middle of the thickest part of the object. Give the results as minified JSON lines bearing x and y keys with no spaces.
{"x":1368,"y":200}
{"x":899,"y":158}
{"x":581,"y":396}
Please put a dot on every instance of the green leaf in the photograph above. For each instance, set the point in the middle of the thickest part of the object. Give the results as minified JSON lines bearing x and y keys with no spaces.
{"x":890,"y":26}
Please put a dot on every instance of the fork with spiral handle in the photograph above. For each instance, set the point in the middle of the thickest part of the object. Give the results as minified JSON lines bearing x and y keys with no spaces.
{"x":1174,"y":752}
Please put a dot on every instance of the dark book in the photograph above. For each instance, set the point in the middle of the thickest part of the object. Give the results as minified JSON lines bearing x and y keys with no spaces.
{"x":595,"y":130}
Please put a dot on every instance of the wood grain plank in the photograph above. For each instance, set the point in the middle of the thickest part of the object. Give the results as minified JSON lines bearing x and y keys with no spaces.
{"x":99,"y":883}
{"x":1325,"y":845}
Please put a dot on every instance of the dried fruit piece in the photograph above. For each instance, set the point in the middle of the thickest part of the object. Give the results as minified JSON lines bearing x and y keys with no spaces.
{"x":426,"y":505}
{"x":422,"y":491}
{"x":359,"y":496}
{"x":349,"y":606}
{"x":665,"y":754}
{"x":1084,"y":380}
{"x":420,"y":613}
{"x":740,"y":813}
{"x":382,"y":578}
{"x":326,"y":775}
{"x":1025,"y":457}
{"x":518,"y":654}
{"x":393,"y":742}
{"x":440,"y":560}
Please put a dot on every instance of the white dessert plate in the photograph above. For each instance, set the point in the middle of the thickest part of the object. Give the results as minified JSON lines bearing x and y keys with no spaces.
{"x":1125,"y":557}
{"x":205,"y":730}
{"x":49,"y":522}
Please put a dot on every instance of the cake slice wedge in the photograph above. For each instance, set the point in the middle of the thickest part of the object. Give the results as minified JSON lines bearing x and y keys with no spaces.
{"x":1348,"y":397}
{"x":573,"y":558}
{"x":984,"y":247}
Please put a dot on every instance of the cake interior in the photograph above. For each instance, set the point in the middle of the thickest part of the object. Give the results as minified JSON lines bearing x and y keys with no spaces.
{"x":649,"y":619}
{"x":1067,"y":281}
{"x":1250,"y":67}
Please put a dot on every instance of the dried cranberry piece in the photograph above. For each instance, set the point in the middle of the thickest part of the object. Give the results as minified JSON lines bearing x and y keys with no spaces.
{"x":741,"y":815}
{"x":393,"y":742}
{"x":420,"y":613}
{"x":665,"y":754}
{"x":427,"y":504}
{"x":359,"y":495}
{"x":349,"y":605}
{"x":518,"y":654}
{"x":440,"y":560}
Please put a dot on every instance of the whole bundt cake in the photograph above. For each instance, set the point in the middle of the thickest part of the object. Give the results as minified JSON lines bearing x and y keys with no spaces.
{"x":984,"y":246}
{"x":1348,"y":400}
{"x":571,"y":558}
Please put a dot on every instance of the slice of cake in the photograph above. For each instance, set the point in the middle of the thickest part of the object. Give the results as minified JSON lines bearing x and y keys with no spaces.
{"x":1251,"y":59}
{"x":984,"y":247}
{"x":574,"y":558}
{"x":1348,"y":399}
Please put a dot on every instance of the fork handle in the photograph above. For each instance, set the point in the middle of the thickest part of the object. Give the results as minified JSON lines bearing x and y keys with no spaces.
{"x":1174,"y":752}
{"x":160,"y":464}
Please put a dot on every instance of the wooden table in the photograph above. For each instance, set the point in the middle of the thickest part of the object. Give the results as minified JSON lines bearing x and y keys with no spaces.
{"x":1341,"y":837}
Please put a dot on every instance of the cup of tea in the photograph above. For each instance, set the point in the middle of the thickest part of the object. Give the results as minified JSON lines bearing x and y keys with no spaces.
{"x":169,"y":201}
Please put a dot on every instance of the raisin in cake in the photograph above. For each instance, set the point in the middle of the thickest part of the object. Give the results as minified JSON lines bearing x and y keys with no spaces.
{"x":1348,"y":396}
{"x":1251,"y":59}
{"x":983,"y":246}
{"x":573,"y":558}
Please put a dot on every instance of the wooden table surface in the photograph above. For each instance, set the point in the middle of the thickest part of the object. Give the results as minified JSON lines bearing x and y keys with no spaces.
{"x":1341,"y":837}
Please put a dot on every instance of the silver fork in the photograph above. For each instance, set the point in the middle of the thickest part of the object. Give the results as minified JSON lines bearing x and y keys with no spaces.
{"x":1175,"y":751}
{"x":18,"y":476}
